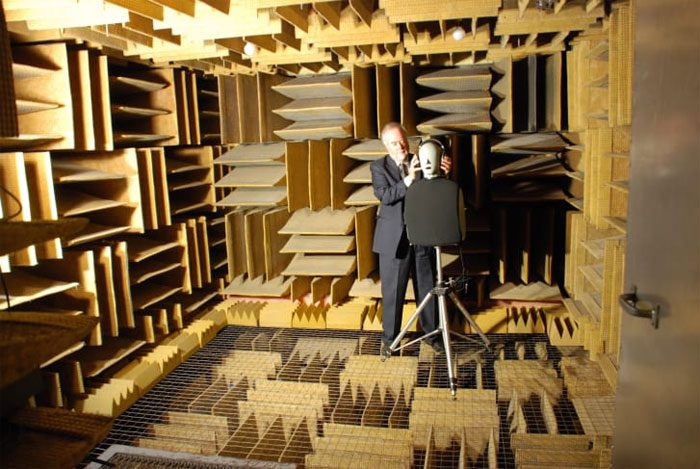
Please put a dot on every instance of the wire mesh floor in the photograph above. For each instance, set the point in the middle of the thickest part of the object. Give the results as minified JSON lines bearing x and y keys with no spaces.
{"x":323,"y":398}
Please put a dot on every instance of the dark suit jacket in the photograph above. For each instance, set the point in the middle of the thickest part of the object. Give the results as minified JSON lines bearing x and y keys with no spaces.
{"x":390,"y":189}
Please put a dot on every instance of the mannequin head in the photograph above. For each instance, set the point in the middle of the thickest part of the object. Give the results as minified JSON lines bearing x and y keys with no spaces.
{"x":430,"y":153}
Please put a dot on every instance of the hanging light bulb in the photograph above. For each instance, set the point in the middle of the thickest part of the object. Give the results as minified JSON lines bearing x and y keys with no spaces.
{"x":459,"y":33}
{"x":544,"y":5}
{"x":250,"y":49}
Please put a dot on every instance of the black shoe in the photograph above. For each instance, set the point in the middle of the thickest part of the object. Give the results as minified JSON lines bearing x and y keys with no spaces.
{"x":384,"y":351}
{"x":437,"y":346}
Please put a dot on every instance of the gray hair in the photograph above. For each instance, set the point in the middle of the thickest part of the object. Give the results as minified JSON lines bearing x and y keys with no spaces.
{"x":390,"y":126}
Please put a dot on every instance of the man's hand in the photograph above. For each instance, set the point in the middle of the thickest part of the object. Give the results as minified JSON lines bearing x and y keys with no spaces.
{"x":414,"y":167}
{"x":446,"y":164}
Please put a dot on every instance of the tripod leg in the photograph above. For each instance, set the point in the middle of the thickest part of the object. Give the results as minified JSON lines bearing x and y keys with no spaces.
{"x":469,"y":318}
{"x":442,"y":312}
{"x":414,"y":317}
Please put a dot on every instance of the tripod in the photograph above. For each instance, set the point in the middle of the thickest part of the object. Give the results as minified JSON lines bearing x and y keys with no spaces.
{"x":441,"y":290}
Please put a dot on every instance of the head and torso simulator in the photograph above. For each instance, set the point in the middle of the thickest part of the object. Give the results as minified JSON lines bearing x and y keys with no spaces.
{"x":434,"y":209}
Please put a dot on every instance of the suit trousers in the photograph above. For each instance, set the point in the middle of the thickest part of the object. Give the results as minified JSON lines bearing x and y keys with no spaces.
{"x":418,"y":261}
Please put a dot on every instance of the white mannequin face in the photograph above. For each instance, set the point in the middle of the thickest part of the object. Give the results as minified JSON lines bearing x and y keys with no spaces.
{"x":429,"y":154}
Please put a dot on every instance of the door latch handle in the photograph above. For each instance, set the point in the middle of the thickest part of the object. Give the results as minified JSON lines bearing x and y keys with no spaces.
{"x":628,"y":302}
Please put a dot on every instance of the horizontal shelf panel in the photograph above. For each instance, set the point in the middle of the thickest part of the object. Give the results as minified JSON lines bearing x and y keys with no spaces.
{"x":180,"y":186}
{"x":174,"y":166}
{"x":317,"y":109}
{"x":246,"y":154}
{"x":254,"y":176}
{"x":142,"y":271}
{"x":319,"y":244}
{"x":596,"y":247}
{"x":95,"y":360}
{"x":209,"y":93}
{"x":359,"y":175}
{"x":622,"y":186}
{"x":192,"y":302}
{"x":205,"y":113}
{"x":366,"y":150}
{"x":316,"y":86}
{"x":371,"y":287}
{"x":458,"y":79}
{"x":219,"y":264}
{"x":362,"y":196}
{"x":578,"y":175}
{"x":456,"y":102}
{"x":577,"y":203}
{"x":149,"y":294}
{"x":23,"y":287}
{"x":22,"y":71}
{"x":594,"y":274}
{"x":276,"y":287}
{"x":530,"y":166}
{"x":592,"y":302}
{"x":535,"y":291}
{"x":127,"y":85}
{"x":139,"y":138}
{"x":67,"y":172}
{"x":216,"y":242}
{"x":529,"y":143}
{"x":35,"y":338}
{"x":315,"y":265}
{"x":26,"y":107}
{"x":140,"y":248}
{"x":479,"y":120}
{"x":618,"y":223}
{"x":16,"y":235}
{"x":136,"y":112}
{"x":219,"y":221}
{"x":93,"y":232}
{"x":71,"y":203}
{"x":323,"y":222}
{"x":255,"y":197}
{"x":28,"y":140}
{"x":178,"y":207}
{"x":316,"y":130}
{"x":211,"y":137}
{"x":373,"y":149}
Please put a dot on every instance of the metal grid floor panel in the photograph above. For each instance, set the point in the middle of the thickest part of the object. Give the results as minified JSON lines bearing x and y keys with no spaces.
{"x":291,"y":395}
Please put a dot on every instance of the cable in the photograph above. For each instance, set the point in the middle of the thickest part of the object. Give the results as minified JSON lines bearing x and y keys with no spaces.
{"x":461,"y":281}
{"x":19,"y":203}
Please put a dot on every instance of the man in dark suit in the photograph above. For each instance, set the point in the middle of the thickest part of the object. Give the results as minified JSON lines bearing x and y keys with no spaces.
{"x":391,"y":177}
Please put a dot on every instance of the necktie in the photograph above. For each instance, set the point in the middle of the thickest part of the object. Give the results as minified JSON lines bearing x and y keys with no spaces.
{"x":404,"y":169}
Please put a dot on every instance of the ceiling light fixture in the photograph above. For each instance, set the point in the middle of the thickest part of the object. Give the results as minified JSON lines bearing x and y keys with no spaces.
{"x":250,"y":49}
{"x":459,"y":33}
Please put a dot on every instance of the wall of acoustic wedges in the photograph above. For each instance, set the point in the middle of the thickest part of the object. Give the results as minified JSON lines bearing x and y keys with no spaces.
{"x":600,"y":109}
{"x":258,"y":185}
{"x":121,"y":146}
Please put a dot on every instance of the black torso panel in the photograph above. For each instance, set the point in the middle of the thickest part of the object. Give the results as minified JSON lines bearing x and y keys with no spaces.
{"x":431,"y":212}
